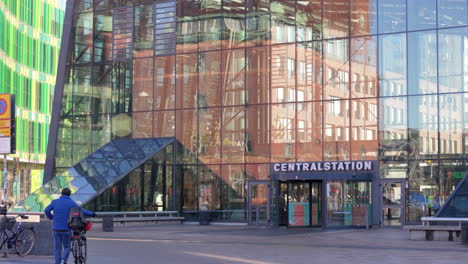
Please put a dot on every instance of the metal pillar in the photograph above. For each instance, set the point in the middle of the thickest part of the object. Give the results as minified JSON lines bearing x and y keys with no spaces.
{"x":5,"y":178}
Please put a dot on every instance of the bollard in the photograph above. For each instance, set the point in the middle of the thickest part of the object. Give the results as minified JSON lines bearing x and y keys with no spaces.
{"x":107,"y":223}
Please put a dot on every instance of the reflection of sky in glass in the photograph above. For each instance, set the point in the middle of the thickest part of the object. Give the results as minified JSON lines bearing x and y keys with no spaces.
{"x":95,"y":173}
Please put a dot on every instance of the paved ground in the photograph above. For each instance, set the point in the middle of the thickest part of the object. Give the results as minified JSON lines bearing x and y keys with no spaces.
{"x":228,"y":244}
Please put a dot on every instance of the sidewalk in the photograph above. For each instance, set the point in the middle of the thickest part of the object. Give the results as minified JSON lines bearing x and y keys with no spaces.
{"x":229,"y":244}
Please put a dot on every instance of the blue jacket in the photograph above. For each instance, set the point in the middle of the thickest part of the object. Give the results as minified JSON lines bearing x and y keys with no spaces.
{"x":61,"y":208}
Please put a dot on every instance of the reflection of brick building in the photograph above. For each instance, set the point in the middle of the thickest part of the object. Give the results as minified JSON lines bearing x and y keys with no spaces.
{"x":247,"y":88}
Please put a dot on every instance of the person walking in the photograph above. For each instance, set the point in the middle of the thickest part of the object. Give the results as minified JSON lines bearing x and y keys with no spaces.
{"x":60,"y":230}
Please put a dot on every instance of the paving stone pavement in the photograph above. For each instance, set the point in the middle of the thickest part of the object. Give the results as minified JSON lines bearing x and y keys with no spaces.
{"x":235,"y":244}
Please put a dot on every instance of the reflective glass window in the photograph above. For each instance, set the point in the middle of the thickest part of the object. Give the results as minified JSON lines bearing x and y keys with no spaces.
{"x":102,"y":88}
{"x":142,"y":123}
{"x":80,"y":137}
{"x":188,"y":177}
{"x":233,"y":131}
{"x":258,"y":75}
{"x":363,"y":17}
{"x":84,"y":5}
{"x":233,"y":192}
{"x":257,"y":22}
{"x":309,"y":71}
{"x":143,"y":85}
{"x":336,"y":69}
{"x":392,"y":16}
{"x":102,"y":36}
{"x":210,"y":25}
{"x":82,"y":40}
{"x":283,"y":73}
{"x":100,"y":133}
{"x":422,"y":126}
{"x":131,"y":189}
{"x":143,"y":31}
{"x":336,"y":134}
{"x":209,"y":137}
{"x":422,"y":190}
{"x":392,"y":65}
{"x":335,"y":18}
{"x":164,"y":124}
{"x":209,"y":77}
{"x":80,"y":80}
{"x":186,"y":80}
{"x":364,"y":141}
{"x":393,"y":128}
{"x":257,"y":171}
{"x":309,"y":141}
{"x":283,"y":132}
{"x":257,"y":135}
{"x":233,"y":77}
{"x":309,"y":20}
{"x":452,"y":13}
{"x":364,"y":78}
{"x":421,"y":14}
{"x":187,"y":25}
{"x":165,"y":81}
{"x":234,"y":23}
{"x":393,"y":169}
{"x":422,"y":62}
{"x":453,"y":51}
{"x":122,"y":86}
{"x":452,"y":125}
{"x":186,"y":134}
{"x":209,"y":192}
{"x":283,"y":21}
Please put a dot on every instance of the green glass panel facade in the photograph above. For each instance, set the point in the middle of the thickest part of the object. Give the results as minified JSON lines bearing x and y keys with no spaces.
{"x":30,"y":32}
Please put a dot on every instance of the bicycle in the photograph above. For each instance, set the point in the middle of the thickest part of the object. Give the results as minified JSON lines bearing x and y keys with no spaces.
{"x":22,"y":239}
{"x":78,"y":244}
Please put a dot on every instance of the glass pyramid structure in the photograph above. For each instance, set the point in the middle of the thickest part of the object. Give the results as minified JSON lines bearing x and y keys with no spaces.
{"x":97,"y":172}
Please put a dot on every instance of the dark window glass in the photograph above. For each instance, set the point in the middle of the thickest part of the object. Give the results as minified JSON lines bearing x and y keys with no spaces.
{"x":283,"y":21}
{"x":258,"y":22}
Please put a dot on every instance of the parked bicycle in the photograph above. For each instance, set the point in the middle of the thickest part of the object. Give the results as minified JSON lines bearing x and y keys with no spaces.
{"x":78,"y":244}
{"x":21,"y":239}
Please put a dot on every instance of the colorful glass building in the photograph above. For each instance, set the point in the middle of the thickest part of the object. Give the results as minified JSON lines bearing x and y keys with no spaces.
{"x":30,"y":33}
{"x":331,"y":113}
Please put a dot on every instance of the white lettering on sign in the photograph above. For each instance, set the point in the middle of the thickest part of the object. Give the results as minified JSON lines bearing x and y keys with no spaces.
{"x":323,"y":166}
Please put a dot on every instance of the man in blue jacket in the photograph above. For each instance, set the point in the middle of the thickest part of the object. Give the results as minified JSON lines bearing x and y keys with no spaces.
{"x":61,"y":231}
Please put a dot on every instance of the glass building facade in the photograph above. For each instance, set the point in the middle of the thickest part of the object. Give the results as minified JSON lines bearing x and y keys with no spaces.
{"x":299,"y":113}
{"x":30,"y":33}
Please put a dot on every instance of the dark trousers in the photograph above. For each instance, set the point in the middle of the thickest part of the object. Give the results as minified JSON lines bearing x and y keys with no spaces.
{"x":61,"y":239}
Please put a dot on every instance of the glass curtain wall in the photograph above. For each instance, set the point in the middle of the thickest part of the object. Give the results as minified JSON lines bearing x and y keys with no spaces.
{"x":243,"y":83}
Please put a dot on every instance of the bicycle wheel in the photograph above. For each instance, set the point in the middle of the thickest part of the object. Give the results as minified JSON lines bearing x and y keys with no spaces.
{"x":75,"y":250}
{"x":24,"y":241}
{"x":83,"y":250}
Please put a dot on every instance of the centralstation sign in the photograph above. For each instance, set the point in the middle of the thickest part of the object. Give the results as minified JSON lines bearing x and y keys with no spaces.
{"x":323,"y":166}
{"x":7,"y":124}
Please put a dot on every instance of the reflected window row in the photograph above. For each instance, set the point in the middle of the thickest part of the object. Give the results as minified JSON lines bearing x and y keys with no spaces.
{"x":230,"y":23}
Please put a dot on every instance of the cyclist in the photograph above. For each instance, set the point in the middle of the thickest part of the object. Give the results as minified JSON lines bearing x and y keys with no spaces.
{"x":61,"y":232}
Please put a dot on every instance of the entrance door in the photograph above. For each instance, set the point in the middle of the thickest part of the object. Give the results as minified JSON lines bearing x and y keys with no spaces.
{"x":393,"y":202}
{"x":302,"y":203}
{"x":258,"y":212}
